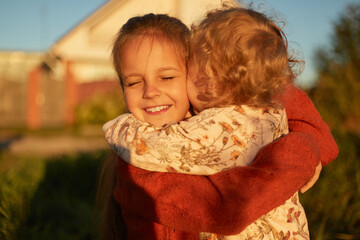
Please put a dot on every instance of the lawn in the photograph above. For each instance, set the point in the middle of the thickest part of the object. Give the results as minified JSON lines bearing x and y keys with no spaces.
{"x":48,"y":198}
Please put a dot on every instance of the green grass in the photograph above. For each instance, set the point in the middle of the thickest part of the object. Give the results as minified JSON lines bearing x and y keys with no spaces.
{"x":48,"y":198}
{"x":19,"y":178}
{"x":333,"y":204}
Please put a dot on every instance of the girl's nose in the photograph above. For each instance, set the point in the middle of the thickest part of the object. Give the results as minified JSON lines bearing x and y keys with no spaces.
{"x":151,"y":90}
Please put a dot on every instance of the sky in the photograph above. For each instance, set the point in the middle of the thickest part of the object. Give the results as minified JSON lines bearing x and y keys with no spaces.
{"x":35,"y":25}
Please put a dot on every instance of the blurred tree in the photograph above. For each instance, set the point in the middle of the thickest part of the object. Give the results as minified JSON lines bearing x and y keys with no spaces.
{"x":333,"y":205}
{"x":337,"y":93}
{"x":100,"y":108}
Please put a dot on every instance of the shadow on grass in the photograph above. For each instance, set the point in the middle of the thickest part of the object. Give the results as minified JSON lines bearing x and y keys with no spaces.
{"x":62,"y":206}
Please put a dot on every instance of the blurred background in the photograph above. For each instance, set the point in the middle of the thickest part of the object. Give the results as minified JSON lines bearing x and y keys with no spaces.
{"x":57,"y":88}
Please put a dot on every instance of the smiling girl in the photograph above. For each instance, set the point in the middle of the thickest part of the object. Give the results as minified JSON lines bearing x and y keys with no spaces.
{"x":154,"y":80}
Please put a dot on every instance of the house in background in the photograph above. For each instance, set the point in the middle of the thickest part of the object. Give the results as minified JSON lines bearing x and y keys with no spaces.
{"x":78,"y":65}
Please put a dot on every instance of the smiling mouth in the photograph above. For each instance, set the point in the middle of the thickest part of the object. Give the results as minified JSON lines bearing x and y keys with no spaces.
{"x":157,"y":108}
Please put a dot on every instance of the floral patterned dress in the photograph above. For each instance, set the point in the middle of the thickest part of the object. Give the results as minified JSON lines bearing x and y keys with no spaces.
{"x":215,"y":140}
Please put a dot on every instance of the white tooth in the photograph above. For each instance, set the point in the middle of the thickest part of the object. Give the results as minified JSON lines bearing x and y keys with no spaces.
{"x":156,"y":109}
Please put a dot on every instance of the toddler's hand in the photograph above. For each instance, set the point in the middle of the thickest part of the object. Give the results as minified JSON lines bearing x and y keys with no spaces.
{"x":313,"y":180}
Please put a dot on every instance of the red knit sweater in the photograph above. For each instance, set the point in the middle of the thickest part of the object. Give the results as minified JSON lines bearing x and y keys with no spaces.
{"x":178,"y":206}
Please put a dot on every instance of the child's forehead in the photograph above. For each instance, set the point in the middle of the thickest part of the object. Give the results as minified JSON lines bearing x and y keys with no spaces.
{"x":168,"y":46}
{"x":164,"y":41}
{"x":150,"y":55}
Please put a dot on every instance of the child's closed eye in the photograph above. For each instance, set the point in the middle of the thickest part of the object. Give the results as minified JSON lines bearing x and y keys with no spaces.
{"x":132,"y":83}
{"x":168,"y":78}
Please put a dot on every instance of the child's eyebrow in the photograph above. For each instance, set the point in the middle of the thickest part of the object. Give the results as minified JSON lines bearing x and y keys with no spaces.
{"x":132,"y":75}
{"x":169,"y":68}
{"x":163,"y":69}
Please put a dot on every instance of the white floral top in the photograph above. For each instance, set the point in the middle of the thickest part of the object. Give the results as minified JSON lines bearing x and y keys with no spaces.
{"x":214,"y":140}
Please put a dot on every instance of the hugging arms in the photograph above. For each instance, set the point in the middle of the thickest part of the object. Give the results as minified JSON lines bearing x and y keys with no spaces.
{"x":228,"y":201}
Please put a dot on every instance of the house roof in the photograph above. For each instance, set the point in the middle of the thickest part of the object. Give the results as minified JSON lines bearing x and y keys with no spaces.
{"x":94,"y":18}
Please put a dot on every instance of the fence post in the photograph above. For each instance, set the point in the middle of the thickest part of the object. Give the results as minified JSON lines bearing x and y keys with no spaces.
{"x":33,"y":110}
{"x":70,"y":95}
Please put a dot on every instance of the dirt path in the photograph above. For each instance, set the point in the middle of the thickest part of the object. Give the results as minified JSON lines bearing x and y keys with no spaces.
{"x":55,"y":145}
{"x":52,"y":143}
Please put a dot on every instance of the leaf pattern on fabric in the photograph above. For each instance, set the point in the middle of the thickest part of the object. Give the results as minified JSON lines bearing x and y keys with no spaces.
{"x":214,"y":140}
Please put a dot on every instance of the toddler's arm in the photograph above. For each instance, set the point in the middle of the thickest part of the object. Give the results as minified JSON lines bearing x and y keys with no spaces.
{"x":304,"y":118}
{"x":223,"y":203}
{"x":227,"y":202}
{"x":212,"y":141}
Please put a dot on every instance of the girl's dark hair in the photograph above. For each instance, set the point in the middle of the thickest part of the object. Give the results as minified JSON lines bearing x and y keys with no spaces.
{"x":109,"y":222}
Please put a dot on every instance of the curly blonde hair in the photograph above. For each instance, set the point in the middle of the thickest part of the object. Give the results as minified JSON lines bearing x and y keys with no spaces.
{"x":242,"y":56}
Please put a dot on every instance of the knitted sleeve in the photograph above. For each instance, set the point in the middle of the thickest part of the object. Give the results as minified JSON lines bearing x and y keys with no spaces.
{"x":304,"y":118}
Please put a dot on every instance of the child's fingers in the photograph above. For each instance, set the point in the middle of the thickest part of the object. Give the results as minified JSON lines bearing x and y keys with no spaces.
{"x":313,"y":180}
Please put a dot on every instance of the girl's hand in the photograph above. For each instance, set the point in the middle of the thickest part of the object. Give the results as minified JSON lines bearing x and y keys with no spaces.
{"x":313,"y":180}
